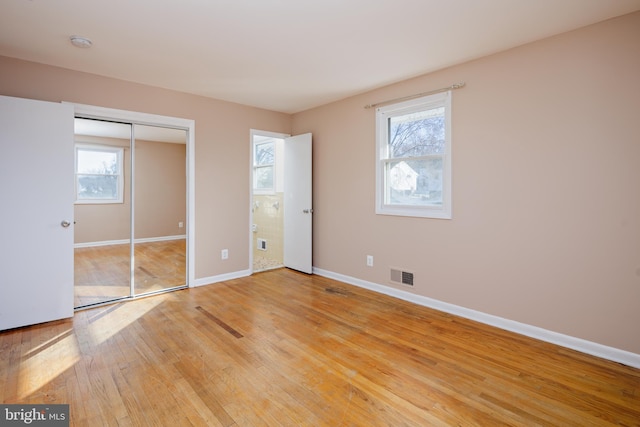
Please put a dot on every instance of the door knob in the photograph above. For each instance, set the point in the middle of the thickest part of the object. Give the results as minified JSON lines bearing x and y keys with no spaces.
{"x":307,"y":211}
{"x":65,"y":223}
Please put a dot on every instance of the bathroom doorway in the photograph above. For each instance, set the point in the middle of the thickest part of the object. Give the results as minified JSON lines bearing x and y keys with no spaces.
{"x":267,"y":200}
{"x":281,"y":202}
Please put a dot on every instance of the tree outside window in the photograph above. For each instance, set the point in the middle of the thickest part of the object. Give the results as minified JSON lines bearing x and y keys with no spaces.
{"x":414,"y":160}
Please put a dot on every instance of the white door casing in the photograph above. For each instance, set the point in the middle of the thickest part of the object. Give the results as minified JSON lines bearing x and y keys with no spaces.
{"x":36,"y":192}
{"x":298,"y":210}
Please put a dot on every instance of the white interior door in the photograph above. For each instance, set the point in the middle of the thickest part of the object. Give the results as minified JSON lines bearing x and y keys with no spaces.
{"x":298,"y":211}
{"x":36,"y":190}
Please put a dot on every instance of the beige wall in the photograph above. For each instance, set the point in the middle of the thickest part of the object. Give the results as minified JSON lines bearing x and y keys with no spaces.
{"x":546,"y":204}
{"x":161,"y":189}
{"x":222,"y":147}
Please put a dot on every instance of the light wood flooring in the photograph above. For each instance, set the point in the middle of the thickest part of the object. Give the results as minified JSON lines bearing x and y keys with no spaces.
{"x":281,"y":348}
{"x":102,"y":272}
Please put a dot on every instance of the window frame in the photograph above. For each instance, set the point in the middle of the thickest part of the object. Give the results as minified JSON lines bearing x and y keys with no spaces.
{"x":119,"y":151}
{"x":383,"y":114}
{"x":256,"y":167}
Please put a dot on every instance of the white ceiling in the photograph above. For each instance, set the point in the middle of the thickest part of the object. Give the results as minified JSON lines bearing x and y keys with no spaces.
{"x":282,"y":55}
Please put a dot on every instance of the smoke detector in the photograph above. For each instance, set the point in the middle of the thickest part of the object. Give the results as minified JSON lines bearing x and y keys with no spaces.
{"x":79,"y":41}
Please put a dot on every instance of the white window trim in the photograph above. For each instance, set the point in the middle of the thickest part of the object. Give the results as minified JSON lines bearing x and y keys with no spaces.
{"x":106,"y":148}
{"x":264,"y":191}
{"x":382,"y":134}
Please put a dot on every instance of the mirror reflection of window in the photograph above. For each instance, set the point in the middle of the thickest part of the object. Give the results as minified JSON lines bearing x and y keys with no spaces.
{"x":99,"y":177}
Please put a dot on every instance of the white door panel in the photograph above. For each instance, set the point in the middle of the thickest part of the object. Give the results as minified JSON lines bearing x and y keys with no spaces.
{"x":36,"y":192}
{"x":298,"y":211}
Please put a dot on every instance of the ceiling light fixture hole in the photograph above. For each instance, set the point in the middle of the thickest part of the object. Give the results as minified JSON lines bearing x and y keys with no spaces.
{"x":79,"y":41}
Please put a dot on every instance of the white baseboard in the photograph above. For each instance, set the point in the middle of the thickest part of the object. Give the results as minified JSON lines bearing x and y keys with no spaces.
{"x":221,"y":278}
{"x":126,"y":241}
{"x":584,"y":346}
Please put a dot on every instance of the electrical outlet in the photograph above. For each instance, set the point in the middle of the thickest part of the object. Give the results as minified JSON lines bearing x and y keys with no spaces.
{"x":180,"y":224}
{"x":369,"y":260}
{"x":224,"y":254}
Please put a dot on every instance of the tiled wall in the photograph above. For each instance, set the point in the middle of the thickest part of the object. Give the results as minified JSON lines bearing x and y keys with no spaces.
{"x":268,"y":221}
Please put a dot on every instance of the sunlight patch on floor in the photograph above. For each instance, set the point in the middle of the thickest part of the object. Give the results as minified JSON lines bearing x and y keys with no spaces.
{"x":44,"y":363}
{"x":107,"y":321}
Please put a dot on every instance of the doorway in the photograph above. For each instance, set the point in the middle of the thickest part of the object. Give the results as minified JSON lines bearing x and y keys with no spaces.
{"x":134,"y":205}
{"x":281,"y":201}
{"x":267,"y":200}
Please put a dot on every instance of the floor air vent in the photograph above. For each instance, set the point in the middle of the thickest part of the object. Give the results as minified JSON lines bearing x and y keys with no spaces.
{"x":401,"y":277}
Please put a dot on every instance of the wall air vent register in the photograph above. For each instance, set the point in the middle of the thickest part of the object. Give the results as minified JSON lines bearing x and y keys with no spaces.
{"x":401,"y":277}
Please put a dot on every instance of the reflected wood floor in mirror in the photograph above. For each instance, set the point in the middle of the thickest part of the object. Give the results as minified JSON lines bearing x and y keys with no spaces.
{"x":102,"y":272}
{"x":283,"y":348}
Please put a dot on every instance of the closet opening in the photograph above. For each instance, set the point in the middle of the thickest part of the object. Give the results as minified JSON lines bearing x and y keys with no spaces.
{"x":132,"y":219}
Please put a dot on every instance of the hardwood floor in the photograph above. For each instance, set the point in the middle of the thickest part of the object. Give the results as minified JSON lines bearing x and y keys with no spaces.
{"x":102,"y":272}
{"x":281,"y":348}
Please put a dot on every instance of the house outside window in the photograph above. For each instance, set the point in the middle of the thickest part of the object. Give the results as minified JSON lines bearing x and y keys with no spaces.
{"x":99,"y":177}
{"x":413,"y":171}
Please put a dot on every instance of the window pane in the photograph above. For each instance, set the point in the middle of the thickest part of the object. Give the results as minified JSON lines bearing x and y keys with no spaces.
{"x":97,"y":187}
{"x":97,"y":162}
{"x":414,"y":182}
{"x":264,"y":154}
{"x":263,"y":178}
{"x":417,"y":134}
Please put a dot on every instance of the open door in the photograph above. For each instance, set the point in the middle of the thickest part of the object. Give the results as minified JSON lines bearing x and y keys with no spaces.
{"x":36,"y":189}
{"x":298,"y":211}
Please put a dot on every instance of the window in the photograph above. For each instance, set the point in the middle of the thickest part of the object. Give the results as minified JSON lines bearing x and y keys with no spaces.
{"x":99,"y":174}
{"x":413,"y":172}
{"x":263,"y":167}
